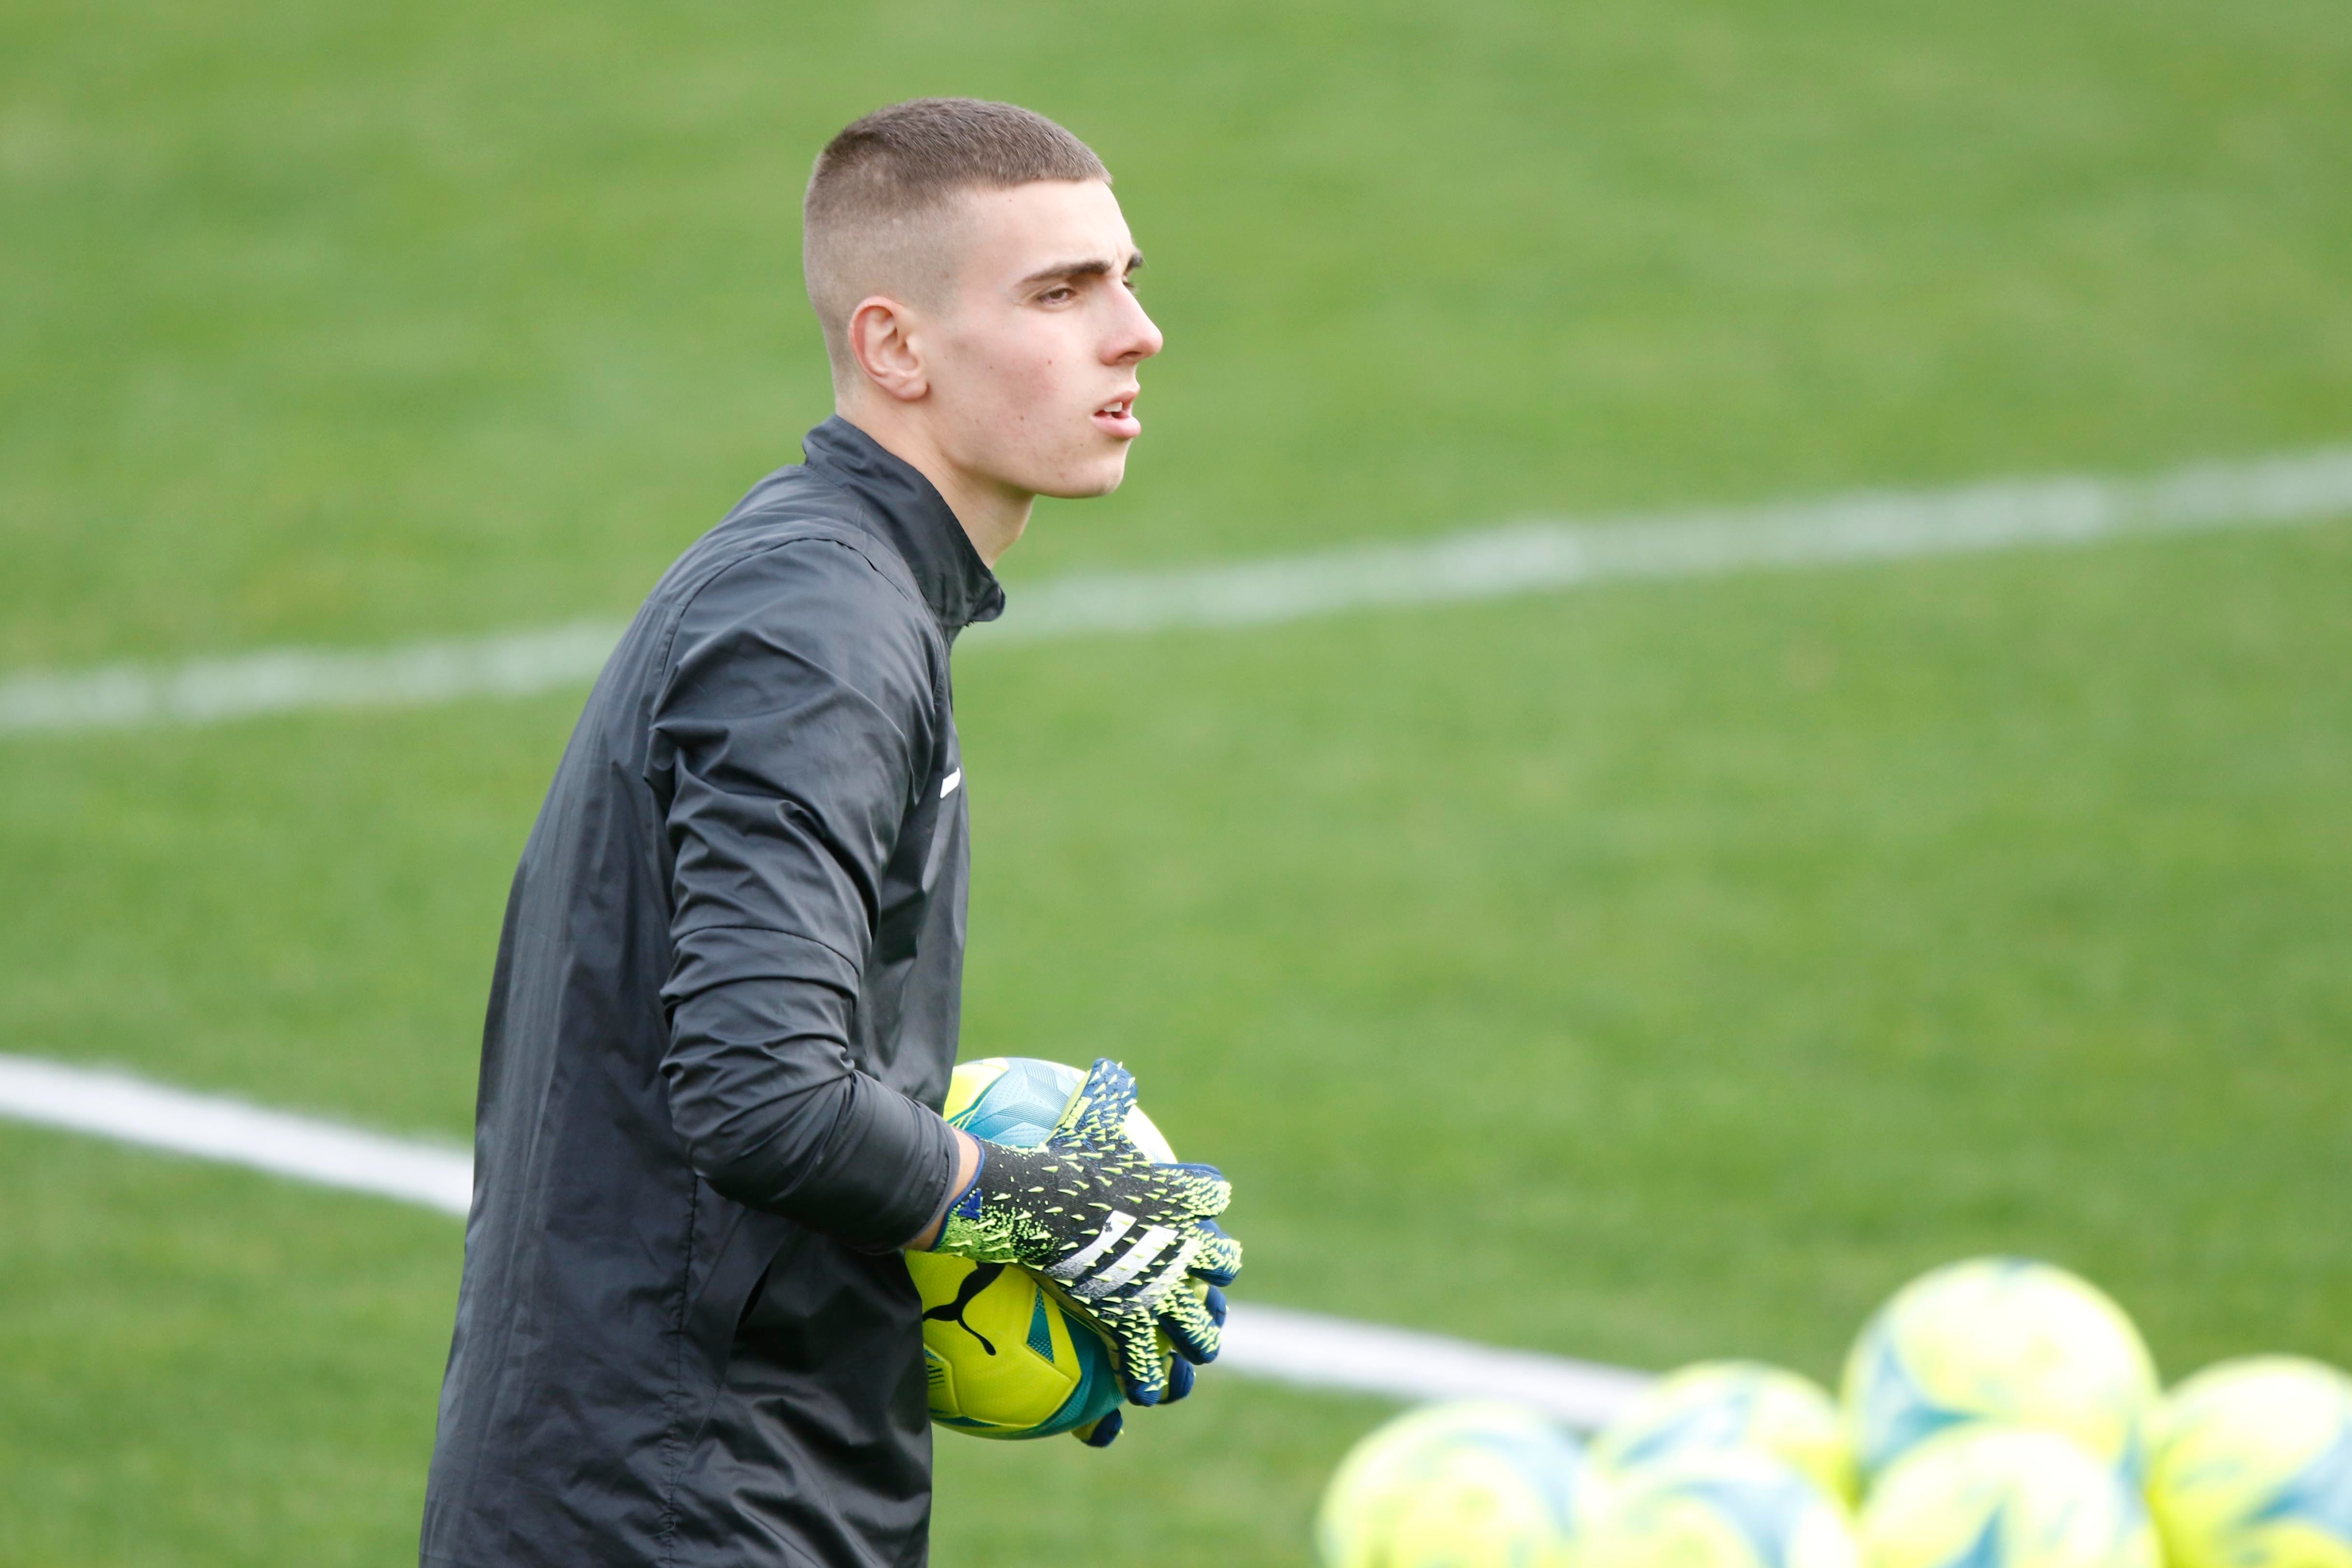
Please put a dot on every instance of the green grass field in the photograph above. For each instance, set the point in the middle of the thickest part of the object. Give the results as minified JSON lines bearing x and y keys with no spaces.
{"x":1652,"y":972}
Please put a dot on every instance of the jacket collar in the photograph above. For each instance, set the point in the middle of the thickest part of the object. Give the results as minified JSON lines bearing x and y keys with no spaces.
{"x":901,"y":506}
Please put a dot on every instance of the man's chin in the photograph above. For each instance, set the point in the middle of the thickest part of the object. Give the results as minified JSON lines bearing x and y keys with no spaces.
{"x":1098,"y":479}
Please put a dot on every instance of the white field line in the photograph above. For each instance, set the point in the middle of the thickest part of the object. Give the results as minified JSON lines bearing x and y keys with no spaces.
{"x":134,"y":1110}
{"x":281,"y":680}
{"x":1272,"y":1342}
{"x":1314,"y":1351}
{"x":1524,"y":558}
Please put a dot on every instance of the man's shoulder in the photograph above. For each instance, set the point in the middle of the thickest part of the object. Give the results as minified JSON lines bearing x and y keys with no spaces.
{"x":793,"y":535}
{"x":790,"y":587}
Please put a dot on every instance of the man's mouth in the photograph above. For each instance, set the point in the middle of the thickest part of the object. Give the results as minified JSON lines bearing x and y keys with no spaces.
{"x":1116,"y":418}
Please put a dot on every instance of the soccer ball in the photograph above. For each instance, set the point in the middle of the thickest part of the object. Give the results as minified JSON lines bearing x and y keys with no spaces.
{"x":1720,"y":1509}
{"x":2252,"y":1467}
{"x":1741,"y":1405}
{"x":1002,"y":1357}
{"x":2005,"y":1496}
{"x":1019,"y":1100}
{"x":1470,"y":1484}
{"x":2000,"y":1340}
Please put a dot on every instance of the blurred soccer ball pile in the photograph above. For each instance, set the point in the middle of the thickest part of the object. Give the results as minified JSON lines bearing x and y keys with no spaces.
{"x":1995,"y":1414}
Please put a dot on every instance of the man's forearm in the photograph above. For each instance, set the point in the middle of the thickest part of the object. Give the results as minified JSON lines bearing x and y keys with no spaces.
{"x":844,"y":1155}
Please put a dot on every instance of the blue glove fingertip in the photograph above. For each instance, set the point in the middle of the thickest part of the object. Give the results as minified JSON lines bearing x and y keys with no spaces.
{"x":1212,"y":1273}
{"x":1146,"y":1394}
{"x":1103,"y":1432}
{"x":1192,"y":1352}
{"x":1108,"y":1093}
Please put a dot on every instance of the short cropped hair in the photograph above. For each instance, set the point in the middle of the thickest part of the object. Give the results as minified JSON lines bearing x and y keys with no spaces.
{"x":870,"y":217}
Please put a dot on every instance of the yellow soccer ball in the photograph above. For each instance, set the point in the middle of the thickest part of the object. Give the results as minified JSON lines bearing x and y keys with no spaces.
{"x":1468,"y":1484}
{"x":1734,"y":1406}
{"x":1002,"y":1356}
{"x":1019,"y":1099}
{"x":1982,"y":1496}
{"x":1998,"y":1340}
{"x":2252,"y":1467}
{"x":1720,"y":1509}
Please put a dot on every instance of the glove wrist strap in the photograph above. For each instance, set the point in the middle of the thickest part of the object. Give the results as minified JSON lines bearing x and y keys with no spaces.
{"x":981,"y":1223}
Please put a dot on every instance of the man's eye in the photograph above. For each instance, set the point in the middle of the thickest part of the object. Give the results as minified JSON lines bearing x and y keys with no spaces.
{"x":1055,"y":296}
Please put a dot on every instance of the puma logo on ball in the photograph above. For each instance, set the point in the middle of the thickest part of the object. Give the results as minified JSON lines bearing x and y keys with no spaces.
{"x":981,"y":1276}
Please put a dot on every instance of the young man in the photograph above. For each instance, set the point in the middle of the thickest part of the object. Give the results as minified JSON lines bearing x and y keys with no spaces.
{"x":726,"y":1000}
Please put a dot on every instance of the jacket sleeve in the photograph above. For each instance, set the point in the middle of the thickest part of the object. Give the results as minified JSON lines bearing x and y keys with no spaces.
{"x":797,"y":723}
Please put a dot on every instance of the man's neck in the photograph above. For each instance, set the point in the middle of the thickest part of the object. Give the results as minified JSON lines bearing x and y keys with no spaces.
{"x":992,"y":516}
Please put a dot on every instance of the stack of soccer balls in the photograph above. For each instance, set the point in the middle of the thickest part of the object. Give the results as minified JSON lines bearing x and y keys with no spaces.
{"x":1996,"y":1414}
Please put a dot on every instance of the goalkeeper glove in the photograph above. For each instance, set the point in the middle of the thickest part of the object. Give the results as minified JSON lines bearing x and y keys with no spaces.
{"x":1120,"y":1236}
{"x":1103,"y":1432}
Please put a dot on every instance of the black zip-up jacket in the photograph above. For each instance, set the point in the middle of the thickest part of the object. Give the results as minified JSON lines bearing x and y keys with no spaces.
{"x":722,"y":1021}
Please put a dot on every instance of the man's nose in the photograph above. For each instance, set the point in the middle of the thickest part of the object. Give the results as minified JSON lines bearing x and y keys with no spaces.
{"x":1136,"y":338}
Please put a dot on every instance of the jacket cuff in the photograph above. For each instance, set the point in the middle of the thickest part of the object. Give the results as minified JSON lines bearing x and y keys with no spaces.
{"x":885,"y":1173}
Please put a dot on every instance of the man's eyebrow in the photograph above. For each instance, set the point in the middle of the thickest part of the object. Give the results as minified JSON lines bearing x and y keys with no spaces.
{"x":1099,"y":267}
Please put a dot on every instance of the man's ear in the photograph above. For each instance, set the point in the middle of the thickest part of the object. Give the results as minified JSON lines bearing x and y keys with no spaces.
{"x":881,"y":341}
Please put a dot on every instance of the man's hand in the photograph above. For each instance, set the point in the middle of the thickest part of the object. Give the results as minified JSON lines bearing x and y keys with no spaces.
{"x":1120,"y":1238}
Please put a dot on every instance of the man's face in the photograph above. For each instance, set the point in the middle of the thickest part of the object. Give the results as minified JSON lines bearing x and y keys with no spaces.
{"x":1033,"y":363}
